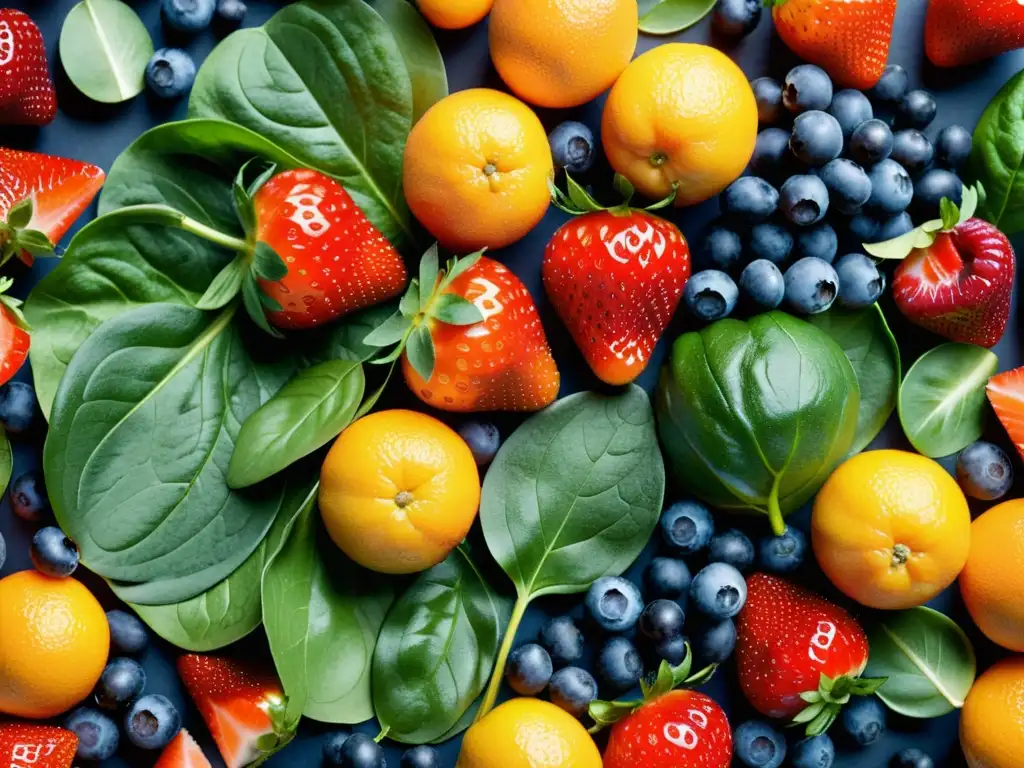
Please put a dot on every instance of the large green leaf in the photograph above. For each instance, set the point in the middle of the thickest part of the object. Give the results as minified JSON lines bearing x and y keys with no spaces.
{"x":997,"y":158}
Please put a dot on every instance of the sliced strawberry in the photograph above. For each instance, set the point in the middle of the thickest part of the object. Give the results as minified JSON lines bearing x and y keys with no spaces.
{"x":182,"y":752}
{"x":36,"y":746}
{"x":1006,"y":393}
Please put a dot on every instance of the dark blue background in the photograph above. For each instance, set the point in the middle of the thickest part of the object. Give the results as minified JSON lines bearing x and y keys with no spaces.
{"x":98,"y":133}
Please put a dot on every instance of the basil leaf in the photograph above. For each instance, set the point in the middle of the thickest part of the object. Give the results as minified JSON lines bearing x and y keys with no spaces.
{"x":997,"y":157}
{"x":671,"y":16}
{"x":225,"y":285}
{"x":453,"y":309}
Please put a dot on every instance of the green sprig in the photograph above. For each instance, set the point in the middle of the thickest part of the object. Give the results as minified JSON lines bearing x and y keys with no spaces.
{"x":825,"y":704}
{"x":576,"y":200}
{"x":951,"y":216}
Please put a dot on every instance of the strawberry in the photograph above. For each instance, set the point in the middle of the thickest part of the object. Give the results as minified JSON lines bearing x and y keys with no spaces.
{"x":27,"y":96}
{"x":14,"y":338}
{"x":470,"y":339}
{"x":182,"y":752}
{"x":244,"y":708}
{"x":615,"y":277}
{"x":849,"y":39}
{"x":798,"y":655}
{"x":960,"y":32}
{"x":40,"y":198}
{"x":36,"y":746}
{"x":1006,"y":393}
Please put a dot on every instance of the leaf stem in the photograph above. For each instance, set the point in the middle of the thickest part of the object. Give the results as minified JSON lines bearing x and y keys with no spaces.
{"x":774,"y":510}
{"x":491,"y":695}
{"x":214,"y":236}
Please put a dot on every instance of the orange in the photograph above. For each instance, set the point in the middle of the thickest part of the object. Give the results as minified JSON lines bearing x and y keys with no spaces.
{"x":476,"y":170}
{"x":682,"y":115}
{"x":992,"y":584}
{"x":454,"y":14}
{"x":562,"y":53}
{"x":54,"y":640}
{"x":398,"y":491}
{"x":891,"y":529}
{"x":992,"y":721}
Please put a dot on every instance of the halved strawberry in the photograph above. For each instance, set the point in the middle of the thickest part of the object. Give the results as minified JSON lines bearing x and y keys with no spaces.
{"x":1006,"y":393}
{"x":182,"y":752}
{"x":36,"y":746}
{"x":14,"y":338}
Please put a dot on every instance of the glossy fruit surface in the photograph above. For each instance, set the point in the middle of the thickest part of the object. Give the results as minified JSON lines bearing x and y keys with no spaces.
{"x":718,"y":591}
{"x":27,"y":96}
{"x":97,"y":733}
{"x":128,"y":635}
{"x":26,"y":745}
{"x":864,"y":720}
{"x":984,"y":471}
{"x":992,"y":721}
{"x":1005,"y":391}
{"x":182,"y":752}
{"x":759,"y":745}
{"x":454,"y":14}
{"x":680,"y":113}
{"x":619,"y":665}
{"x":170,"y":73}
{"x":54,"y":641}
{"x":891,"y":529}
{"x":784,"y":553}
{"x":53,"y":553}
{"x":572,"y":689}
{"x":563,"y":641}
{"x":122,"y":681}
{"x":528,"y":670}
{"x":614,"y":603}
{"x":152,"y":721}
{"x":961,"y":32}
{"x":562,"y":54}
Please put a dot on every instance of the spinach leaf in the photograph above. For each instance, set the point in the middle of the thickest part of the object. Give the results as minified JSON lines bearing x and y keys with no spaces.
{"x":104,"y":47}
{"x":671,"y":16}
{"x":6,"y":461}
{"x":436,"y":651}
{"x":928,"y":659}
{"x":326,"y":81}
{"x":868,"y":343}
{"x":997,"y":158}
{"x":322,"y":614}
{"x":307,"y":413}
{"x":942,"y":399}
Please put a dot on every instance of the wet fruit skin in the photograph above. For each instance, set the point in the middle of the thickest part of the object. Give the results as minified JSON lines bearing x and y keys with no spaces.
{"x":991,"y":734}
{"x":528,"y":670}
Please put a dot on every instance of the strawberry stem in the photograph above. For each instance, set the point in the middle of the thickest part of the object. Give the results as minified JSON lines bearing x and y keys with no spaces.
{"x":212,"y":235}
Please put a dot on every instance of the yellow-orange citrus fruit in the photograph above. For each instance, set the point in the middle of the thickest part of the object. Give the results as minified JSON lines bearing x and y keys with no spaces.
{"x":682,"y":115}
{"x":54,"y":641}
{"x":398,"y":491}
{"x":891,"y":529}
{"x":476,"y":170}
{"x":992,"y":721}
{"x":454,"y":14}
{"x":562,"y":53}
{"x":528,"y":733}
{"x":992,"y":583}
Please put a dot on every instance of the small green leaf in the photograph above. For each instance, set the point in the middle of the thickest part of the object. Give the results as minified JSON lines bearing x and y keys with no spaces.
{"x":266,"y":263}
{"x":6,"y":461}
{"x":900,"y":247}
{"x":391,"y":331}
{"x":624,"y":187}
{"x":409,"y":305}
{"x":949,"y":212}
{"x":969,"y":202}
{"x":580,"y":197}
{"x":810,"y":712}
{"x":252,"y":299}
{"x":665,"y":680}
{"x":13,"y":305}
{"x":20,"y":214}
{"x":428,"y":274}
{"x":459,"y":266}
{"x":455,"y":310}
{"x":865,"y":686}
{"x":682,"y":671}
{"x":226,"y":285}
{"x":35,"y":242}
{"x":934,"y":225}
{"x":671,"y":16}
{"x":262,"y":179}
{"x":823,"y":721}
{"x":811,"y":697}
{"x":244,"y":208}
{"x":420,"y":351}
{"x":606,"y":713}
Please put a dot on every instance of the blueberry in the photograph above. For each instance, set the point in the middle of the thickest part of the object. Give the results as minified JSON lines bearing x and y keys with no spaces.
{"x":762,"y":282}
{"x":483,"y":440}
{"x":892,"y":86}
{"x":563,"y":641}
{"x":710,"y":295}
{"x":718,"y":591}
{"x":188,"y":15}
{"x":771,"y":157}
{"x":231,"y":11}
{"x":749,"y":198}
{"x":911,"y":758}
{"x":614,"y":604}
{"x":151,"y":722}
{"x":619,"y":664}
{"x":931,"y":188}
{"x":820,"y":241}
{"x":912,"y":150}
{"x":671,"y":649}
{"x":984,"y":471}
{"x":687,"y":527}
{"x":572,"y":146}
{"x":871,"y":142}
{"x":817,"y":138}
{"x":122,"y":681}
{"x":811,"y":286}
{"x":758,"y":745}
{"x":848,"y":186}
{"x":806,"y":87}
{"x":850,"y":108}
{"x":128,"y":635}
{"x":782,"y":554}
{"x":814,"y":752}
{"x":864,"y":719}
{"x":863,"y":227}
{"x":860,"y":282}
{"x":667,"y":577}
{"x":804,"y":200}
{"x":18,"y":407}
{"x":891,"y":187}
{"x":732,"y":547}
{"x":953,"y":146}
{"x":661,"y":620}
{"x":170,"y":73}
{"x":917,"y":110}
{"x":528,"y":670}
{"x":893,"y":227}
{"x":722,"y":249}
{"x":3,"y":551}
{"x":771,"y":242}
{"x":97,"y":734}
{"x":423,"y":756}
{"x":361,"y":751}
{"x":53,"y":553}
{"x":28,"y":497}
{"x":332,"y":745}
{"x":736,"y":18}
{"x":714,"y":642}
{"x":572,"y":689}
{"x":768,"y":95}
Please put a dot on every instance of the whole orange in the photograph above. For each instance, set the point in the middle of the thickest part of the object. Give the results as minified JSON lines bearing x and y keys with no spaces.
{"x":681,"y":116}
{"x":992,"y":721}
{"x":54,"y":641}
{"x":992,"y":583}
{"x":891,"y":529}
{"x":454,"y":14}
{"x":398,"y":491}
{"x":476,"y":170}
{"x":562,"y":53}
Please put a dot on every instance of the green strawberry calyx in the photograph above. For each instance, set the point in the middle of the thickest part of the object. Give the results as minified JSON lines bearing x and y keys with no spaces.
{"x":283,"y":730}
{"x":15,"y":236}
{"x":577,"y":201}
{"x":824,"y":704}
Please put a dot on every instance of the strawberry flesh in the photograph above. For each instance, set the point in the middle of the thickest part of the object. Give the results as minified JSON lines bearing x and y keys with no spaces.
{"x":36,"y":746}
{"x":27,"y":95}
{"x":182,"y":752}
{"x":1006,"y":394}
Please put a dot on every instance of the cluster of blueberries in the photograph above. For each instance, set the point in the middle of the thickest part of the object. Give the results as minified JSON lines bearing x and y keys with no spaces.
{"x":847,"y":168}
{"x":19,"y":415}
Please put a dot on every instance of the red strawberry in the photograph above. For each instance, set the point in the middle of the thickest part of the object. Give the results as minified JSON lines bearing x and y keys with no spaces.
{"x":615,"y":277}
{"x":797,"y":653}
{"x":27,"y":96}
{"x":960,"y":32}
{"x":849,"y":39}
{"x":182,"y":752}
{"x":1006,"y":393}
{"x":244,"y":708}
{"x":14,"y":338}
{"x":41,"y":195}
{"x":36,"y":746}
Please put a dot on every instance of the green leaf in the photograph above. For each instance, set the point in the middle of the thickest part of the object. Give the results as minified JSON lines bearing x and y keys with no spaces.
{"x":305,"y":414}
{"x":35,"y":242}
{"x":949,"y":212}
{"x":244,"y":207}
{"x":823,"y":721}
{"x":997,"y":158}
{"x":420,"y":351}
{"x":104,"y":48}
{"x":928,"y":660}
{"x":810,"y":712}
{"x":671,"y":16}
{"x":455,"y":310}
{"x":942,"y":399}
{"x":391,"y":331}
{"x":580,"y":197}
{"x":624,"y":187}
{"x":267,"y":264}
{"x":20,"y":214}
{"x":457,"y":267}
{"x":811,"y":697}
{"x":226,"y":285}
{"x":900,"y":247}
{"x":428,"y":274}
{"x":606,"y":713}
{"x":259,"y":181}
{"x":969,"y":202}
{"x":865,"y":686}
{"x":252,"y":298}
{"x":6,"y":461}
{"x":409,"y":305}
